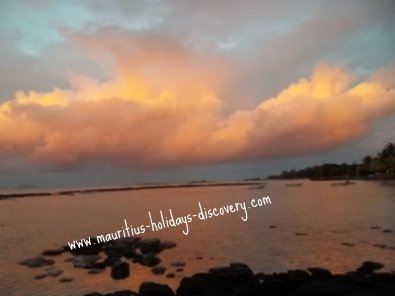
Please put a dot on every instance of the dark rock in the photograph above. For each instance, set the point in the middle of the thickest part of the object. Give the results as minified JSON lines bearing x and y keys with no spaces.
{"x":54,"y":273}
{"x":158,"y":270}
{"x":153,"y":289}
{"x":122,"y":247}
{"x":219,"y":281}
{"x":168,"y":244}
{"x":170,"y":275}
{"x":94,"y":294}
{"x":372,"y":292}
{"x":298,"y":275}
{"x":300,"y":233}
{"x":347,"y":244}
{"x":325,"y":288}
{"x":381,"y":246}
{"x":319,"y":273}
{"x":40,"y":276}
{"x":85,"y":261}
{"x":375,"y":227}
{"x":123,"y":293}
{"x":199,"y":257}
{"x":150,"y":246}
{"x":178,"y":263}
{"x":53,"y":252}
{"x":272,"y":226}
{"x":387,"y":231}
{"x":120,"y":271}
{"x":37,"y":262}
{"x":149,"y":260}
{"x":180,"y":269}
{"x":66,"y":279}
{"x":369,"y":267}
{"x":112,"y":261}
{"x":95,"y":271}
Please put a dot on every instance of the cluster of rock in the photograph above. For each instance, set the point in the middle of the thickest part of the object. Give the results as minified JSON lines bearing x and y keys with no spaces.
{"x":113,"y":254}
{"x":234,"y":280}
{"x":238,"y":280}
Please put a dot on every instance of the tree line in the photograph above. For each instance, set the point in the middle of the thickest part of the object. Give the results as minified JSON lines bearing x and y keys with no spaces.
{"x":381,"y":166}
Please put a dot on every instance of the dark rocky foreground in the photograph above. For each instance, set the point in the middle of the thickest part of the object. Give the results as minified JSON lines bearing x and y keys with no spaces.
{"x":237,"y":279}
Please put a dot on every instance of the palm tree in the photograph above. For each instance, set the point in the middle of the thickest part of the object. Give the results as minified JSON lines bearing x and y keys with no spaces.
{"x":386,"y":158}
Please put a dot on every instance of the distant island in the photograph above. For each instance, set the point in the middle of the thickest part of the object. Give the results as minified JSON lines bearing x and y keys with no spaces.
{"x":381,"y":166}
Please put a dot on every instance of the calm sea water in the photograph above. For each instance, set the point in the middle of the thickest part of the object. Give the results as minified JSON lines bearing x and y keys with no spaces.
{"x":326,"y":215}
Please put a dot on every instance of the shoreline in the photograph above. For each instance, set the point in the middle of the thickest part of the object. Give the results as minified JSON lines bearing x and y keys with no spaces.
{"x":126,"y":188}
{"x":236,"y":279}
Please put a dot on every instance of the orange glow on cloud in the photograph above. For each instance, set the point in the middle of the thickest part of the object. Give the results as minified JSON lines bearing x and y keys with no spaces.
{"x":164,"y":109}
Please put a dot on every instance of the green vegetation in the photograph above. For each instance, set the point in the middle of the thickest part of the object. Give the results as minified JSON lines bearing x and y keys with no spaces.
{"x":382,"y":166}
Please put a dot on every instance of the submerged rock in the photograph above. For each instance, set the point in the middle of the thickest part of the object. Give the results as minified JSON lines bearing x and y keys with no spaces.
{"x":158,"y":270}
{"x":66,"y":279}
{"x":37,"y":262}
{"x":85,"y":261}
{"x":150,"y":246}
{"x":347,"y":244}
{"x":148,"y":260}
{"x":178,"y":263}
{"x":53,"y":252}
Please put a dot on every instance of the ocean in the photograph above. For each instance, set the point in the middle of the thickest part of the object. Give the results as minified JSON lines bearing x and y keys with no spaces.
{"x":314,"y":224}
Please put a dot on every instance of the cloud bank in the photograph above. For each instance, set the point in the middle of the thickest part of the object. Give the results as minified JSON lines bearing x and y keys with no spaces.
{"x":162,"y":107}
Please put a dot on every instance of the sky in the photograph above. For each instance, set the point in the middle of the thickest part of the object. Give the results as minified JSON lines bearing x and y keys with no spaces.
{"x":124,"y":92}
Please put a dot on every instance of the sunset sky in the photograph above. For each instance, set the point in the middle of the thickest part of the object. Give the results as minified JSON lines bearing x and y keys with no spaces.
{"x":121,"y":92}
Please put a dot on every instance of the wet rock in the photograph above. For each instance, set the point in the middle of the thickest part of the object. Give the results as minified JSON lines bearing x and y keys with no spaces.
{"x":66,"y":279}
{"x":168,"y":244}
{"x":347,"y":244}
{"x":381,"y":246}
{"x":120,"y":271}
{"x":54,"y":273}
{"x":149,"y":260}
{"x":112,"y":261}
{"x":85,"y":261}
{"x":369,"y":267}
{"x":37,"y":262}
{"x":219,"y":281}
{"x":158,"y":270}
{"x":319,"y":273}
{"x":95,"y":271}
{"x":40,"y":276}
{"x":150,"y":246}
{"x":53,"y":252}
{"x":298,"y":275}
{"x":123,"y":293}
{"x":154,"y":289}
{"x":122,"y":247}
{"x":324,"y":288}
{"x":178,"y":263}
